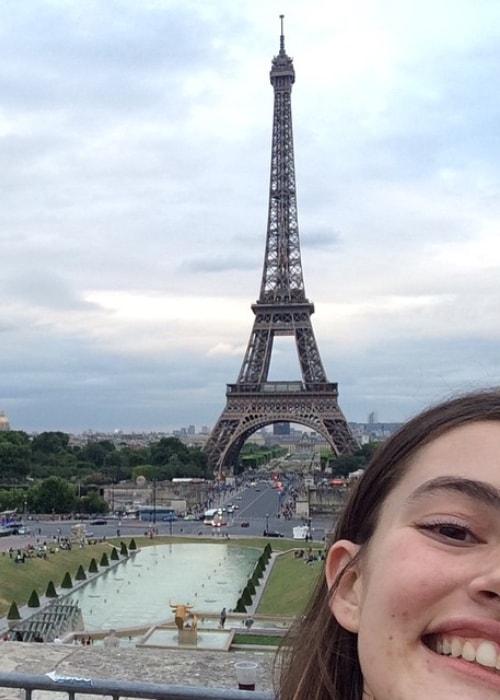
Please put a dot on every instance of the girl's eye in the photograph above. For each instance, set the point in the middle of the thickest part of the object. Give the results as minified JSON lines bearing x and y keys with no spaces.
{"x":450,"y":532}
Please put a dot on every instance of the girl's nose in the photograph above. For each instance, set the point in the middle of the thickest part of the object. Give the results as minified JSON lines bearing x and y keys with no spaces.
{"x":485,"y":586}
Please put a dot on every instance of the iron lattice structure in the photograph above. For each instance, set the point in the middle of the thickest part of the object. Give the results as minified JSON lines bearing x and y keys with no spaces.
{"x":282,"y":309}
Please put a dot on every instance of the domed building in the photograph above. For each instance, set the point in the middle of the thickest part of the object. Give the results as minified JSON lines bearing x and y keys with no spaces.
{"x":4,"y":421}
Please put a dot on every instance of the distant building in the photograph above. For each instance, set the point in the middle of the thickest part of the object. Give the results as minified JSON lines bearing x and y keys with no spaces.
{"x":4,"y":421}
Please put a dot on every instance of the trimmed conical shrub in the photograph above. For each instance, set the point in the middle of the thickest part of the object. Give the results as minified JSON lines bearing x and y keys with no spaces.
{"x":93,"y":567}
{"x":240,"y":606}
{"x":51,"y":590}
{"x":251,"y":587}
{"x":246,"y":597}
{"x":80,"y":574}
{"x":34,"y":600}
{"x":67,"y":582}
{"x":13,"y":613}
{"x":104,"y":560}
{"x":114,"y":554}
{"x":257,"y":573}
{"x":123,"y":549}
{"x":132,"y":544}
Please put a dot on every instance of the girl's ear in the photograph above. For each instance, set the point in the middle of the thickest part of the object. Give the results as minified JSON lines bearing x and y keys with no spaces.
{"x":345,"y":603}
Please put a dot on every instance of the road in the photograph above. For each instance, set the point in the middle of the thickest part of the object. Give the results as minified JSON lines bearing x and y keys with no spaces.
{"x":258,"y":505}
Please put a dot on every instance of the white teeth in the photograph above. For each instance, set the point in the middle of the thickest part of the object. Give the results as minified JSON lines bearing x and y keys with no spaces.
{"x":468,"y":652}
{"x":486,"y":654}
{"x":456,"y":647}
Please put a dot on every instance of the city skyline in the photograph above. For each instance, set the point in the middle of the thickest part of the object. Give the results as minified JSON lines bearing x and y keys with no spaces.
{"x":136,"y":142}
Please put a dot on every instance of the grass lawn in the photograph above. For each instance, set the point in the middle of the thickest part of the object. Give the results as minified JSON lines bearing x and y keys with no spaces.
{"x":289,"y":586}
{"x":286,"y":593}
{"x":17,"y":581}
{"x":257,"y":639}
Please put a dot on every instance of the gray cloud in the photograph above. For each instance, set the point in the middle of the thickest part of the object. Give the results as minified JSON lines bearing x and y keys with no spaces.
{"x":135,"y":147}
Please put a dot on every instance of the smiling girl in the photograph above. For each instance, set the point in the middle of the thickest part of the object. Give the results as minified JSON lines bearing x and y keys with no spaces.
{"x":409,"y":607}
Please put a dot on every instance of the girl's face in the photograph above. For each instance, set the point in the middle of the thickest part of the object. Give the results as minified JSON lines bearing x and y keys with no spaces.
{"x":424,"y":597}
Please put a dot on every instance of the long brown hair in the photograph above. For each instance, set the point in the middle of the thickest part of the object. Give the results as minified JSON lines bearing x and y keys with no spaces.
{"x":319,"y":659}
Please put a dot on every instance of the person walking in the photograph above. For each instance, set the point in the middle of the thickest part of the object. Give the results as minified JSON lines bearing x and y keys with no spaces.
{"x":223,"y":616}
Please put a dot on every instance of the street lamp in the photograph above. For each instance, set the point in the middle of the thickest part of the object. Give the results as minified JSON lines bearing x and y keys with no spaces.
{"x":267,"y":523}
{"x":154,"y":501}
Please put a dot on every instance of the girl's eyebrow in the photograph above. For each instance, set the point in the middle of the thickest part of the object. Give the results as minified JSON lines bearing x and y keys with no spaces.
{"x":478,"y":490}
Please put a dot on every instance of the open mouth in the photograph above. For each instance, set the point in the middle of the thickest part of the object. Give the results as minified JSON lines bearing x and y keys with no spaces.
{"x":476,"y":651}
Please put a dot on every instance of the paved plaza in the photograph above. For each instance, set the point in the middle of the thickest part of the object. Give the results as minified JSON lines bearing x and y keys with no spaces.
{"x":169,"y":666}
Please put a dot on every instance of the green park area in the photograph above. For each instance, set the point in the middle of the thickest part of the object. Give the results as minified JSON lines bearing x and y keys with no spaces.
{"x":286,"y":593}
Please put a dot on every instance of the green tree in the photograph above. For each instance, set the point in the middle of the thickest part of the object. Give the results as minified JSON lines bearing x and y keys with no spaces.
{"x":13,"y":613}
{"x":54,"y":495}
{"x":147,"y":470}
{"x":52,"y":456}
{"x":67,"y":582}
{"x":113,"y":466}
{"x":14,"y":499}
{"x":343,"y":465}
{"x":49,"y":442}
{"x":34,"y":600}
{"x":96,"y":452}
{"x":162,"y":451}
{"x":15,"y":455}
{"x":51,"y":590}
{"x":132,"y":457}
{"x":92,"y":503}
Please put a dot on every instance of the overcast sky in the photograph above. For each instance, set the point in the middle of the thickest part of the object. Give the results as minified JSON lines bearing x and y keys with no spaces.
{"x":134,"y":147}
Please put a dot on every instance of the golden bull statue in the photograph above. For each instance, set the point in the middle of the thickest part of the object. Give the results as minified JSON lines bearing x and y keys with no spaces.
{"x":183,"y":617}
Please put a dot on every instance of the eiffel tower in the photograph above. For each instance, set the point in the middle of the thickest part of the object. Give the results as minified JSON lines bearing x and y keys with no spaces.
{"x":281,"y":310}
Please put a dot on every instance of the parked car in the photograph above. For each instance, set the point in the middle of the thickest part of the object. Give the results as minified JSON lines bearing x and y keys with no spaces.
{"x":23,"y":530}
{"x":244,"y":523}
{"x":99,"y":522}
{"x":189,"y":516}
{"x":169,"y":518}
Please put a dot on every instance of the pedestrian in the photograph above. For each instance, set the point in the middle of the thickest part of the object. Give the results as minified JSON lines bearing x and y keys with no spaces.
{"x":223,"y":616}
{"x":409,"y":607}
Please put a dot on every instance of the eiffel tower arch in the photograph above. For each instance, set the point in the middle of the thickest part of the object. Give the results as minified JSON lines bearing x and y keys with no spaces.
{"x":281,"y":310}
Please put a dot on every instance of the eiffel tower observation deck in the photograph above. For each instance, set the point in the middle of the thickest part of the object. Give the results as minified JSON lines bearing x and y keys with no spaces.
{"x":281,"y":310}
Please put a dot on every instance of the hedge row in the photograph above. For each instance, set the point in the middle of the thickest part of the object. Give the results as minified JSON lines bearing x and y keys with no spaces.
{"x":248,"y":592}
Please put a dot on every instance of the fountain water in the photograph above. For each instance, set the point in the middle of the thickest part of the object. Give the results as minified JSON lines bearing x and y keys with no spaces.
{"x":139,"y":591}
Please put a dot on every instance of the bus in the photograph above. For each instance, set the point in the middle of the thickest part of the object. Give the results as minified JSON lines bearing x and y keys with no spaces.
{"x":214,"y":517}
{"x":152,"y":514}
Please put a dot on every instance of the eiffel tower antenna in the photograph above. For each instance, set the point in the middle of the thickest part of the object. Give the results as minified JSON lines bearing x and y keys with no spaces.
{"x":281,"y":310}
